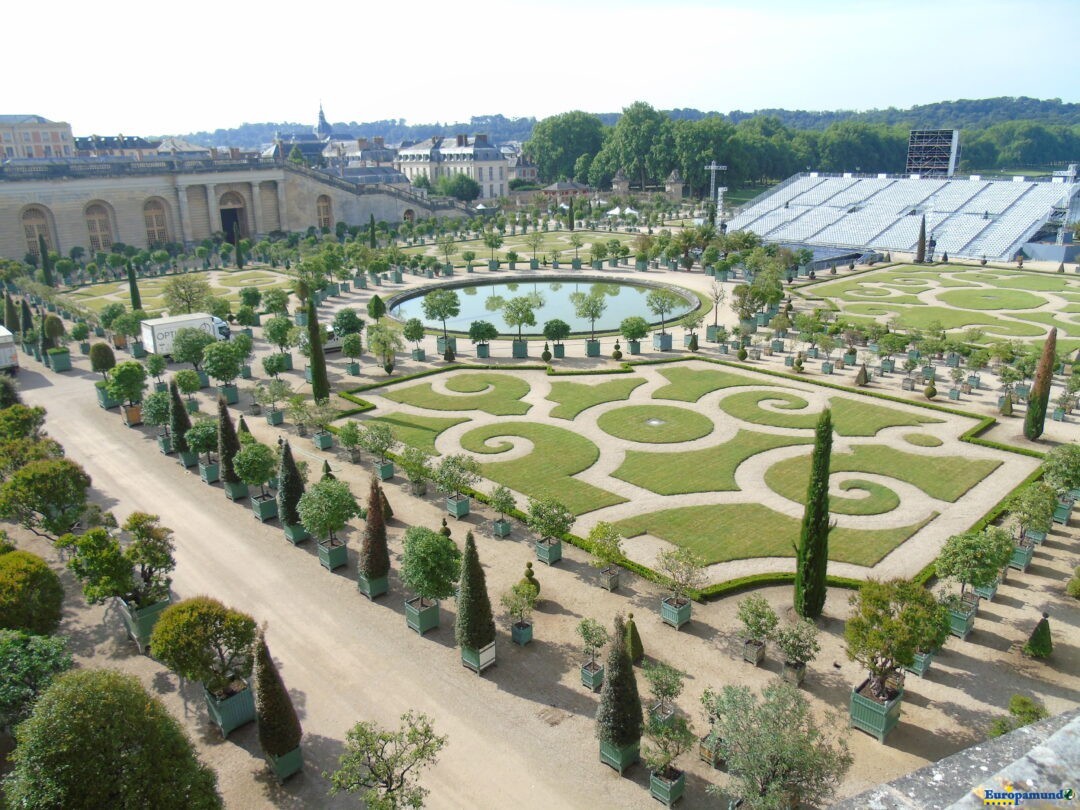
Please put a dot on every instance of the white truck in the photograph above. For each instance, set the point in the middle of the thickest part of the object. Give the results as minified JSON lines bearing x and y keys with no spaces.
{"x":9,"y":358}
{"x":158,"y":333}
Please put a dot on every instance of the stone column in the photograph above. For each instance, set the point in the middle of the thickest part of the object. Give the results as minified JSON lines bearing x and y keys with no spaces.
{"x":282,"y":216}
{"x":186,"y":234}
{"x":212,"y":207}
{"x":256,"y":203}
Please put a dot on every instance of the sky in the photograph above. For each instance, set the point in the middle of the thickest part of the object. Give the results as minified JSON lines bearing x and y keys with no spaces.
{"x":149,"y":69}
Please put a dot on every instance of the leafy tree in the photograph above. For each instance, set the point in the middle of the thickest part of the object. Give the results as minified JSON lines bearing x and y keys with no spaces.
{"x":1033,"y":507}
{"x":431,"y":563}
{"x":493,"y":240}
{"x":549,"y":518}
{"x":456,"y":473}
{"x":290,"y":488}
{"x":589,"y":308}
{"x":186,"y":293}
{"x":279,"y":727}
{"x":1039,"y":397}
{"x":384,"y":342}
{"x":374,"y":555}
{"x":222,"y":361}
{"x":813,"y":550}
{"x":347,"y":322}
{"x":30,"y":594}
{"x":189,"y":345}
{"x":17,"y":453}
{"x":482,"y":332}
{"x":21,"y":422}
{"x":383,"y":766}
{"x":459,"y":186}
{"x":774,"y":749}
{"x":127,"y":382}
{"x":557,"y":330}
{"x":975,"y":558}
{"x":634,"y":328}
{"x":639,"y":142}
{"x":519,"y":312}
{"x":97,"y":738}
{"x":202,"y":640}
{"x":660,"y":303}
{"x":326,"y":508}
{"x":557,"y":142}
{"x":47,"y":497}
{"x":683,"y":571}
{"x":250,"y":296}
{"x":619,"y":718}
{"x":376,"y":309}
{"x":276,"y":301}
{"x":255,"y":465}
{"x":320,"y":384}
{"x":440,"y":304}
{"x":29,"y":663}
{"x":279,"y":332}
{"x":202,"y":437}
{"x":475,"y":627}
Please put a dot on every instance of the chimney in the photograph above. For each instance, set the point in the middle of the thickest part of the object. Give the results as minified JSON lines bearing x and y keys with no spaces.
{"x":379,"y":144}
{"x":480,"y":140}
{"x":462,"y":140}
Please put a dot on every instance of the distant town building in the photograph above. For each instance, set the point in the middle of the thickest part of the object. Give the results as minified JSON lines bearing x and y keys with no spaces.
{"x":31,"y":136}
{"x":441,"y":156}
{"x":116,"y":146}
{"x":565,"y":189}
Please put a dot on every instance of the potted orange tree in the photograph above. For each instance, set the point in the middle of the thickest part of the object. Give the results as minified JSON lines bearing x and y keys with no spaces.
{"x":430,"y":567}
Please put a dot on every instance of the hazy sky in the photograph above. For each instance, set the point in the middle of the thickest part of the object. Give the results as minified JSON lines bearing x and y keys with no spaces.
{"x":166,"y":68}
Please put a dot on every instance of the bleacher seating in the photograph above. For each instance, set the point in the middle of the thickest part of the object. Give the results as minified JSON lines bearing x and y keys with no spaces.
{"x":968,"y":217}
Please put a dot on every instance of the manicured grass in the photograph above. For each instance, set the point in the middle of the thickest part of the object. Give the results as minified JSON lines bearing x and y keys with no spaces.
{"x":691,"y":384}
{"x":497,"y":394}
{"x":574,"y":397}
{"x":670,"y":424}
{"x":995,"y":299}
{"x":850,"y":417}
{"x":557,"y":454}
{"x":418,"y":431}
{"x":944,"y":477}
{"x":922,"y":440}
{"x":711,"y":469}
{"x":1065,"y":325}
{"x":790,"y":480}
{"x":722,"y":532}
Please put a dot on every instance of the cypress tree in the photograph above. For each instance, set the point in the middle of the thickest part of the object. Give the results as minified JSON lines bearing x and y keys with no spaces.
{"x":326,"y":473}
{"x":27,"y":318}
{"x":228,"y":443}
{"x":290,"y":488}
{"x":812,"y":555}
{"x":619,"y":719}
{"x":320,"y":385}
{"x":11,"y":314}
{"x":46,"y":270}
{"x":920,"y":248}
{"x":387,"y":511}
{"x":475,"y":627}
{"x":1039,"y":398}
{"x":279,"y":727}
{"x":133,"y":288}
{"x":570,"y":212}
{"x":179,"y":421}
{"x":1040,"y":645}
{"x":372,"y":241}
{"x":633,"y":640}
{"x":374,"y":557}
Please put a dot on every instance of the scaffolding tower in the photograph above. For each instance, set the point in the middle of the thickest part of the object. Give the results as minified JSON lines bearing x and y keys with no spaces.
{"x":933,"y":152}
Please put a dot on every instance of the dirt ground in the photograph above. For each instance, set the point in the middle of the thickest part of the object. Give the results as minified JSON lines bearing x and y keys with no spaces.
{"x":522,"y":733}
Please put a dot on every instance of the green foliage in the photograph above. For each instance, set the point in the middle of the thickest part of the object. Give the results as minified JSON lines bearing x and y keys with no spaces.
{"x":798,"y":642}
{"x":530,"y":580}
{"x":1023,"y":711}
{"x":255,"y":464}
{"x":290,"y":488}
{"x":30,"y":594}
{"x":1033,"y":507}
{"x":681,"y":570}
{"x":556,"y":330}
{"x":549,"y":518}
{"x":374,"y":556}
{"x":1039,"y":644}
{"x":758,"y":618}
{"x":279,"y":727}
{"x":377,"y":439}
{"x":456,"y":473}
{"x":1039,"y":397}
{"x":414,"y":331}
{"x":376,"y":308}
{"x":482,"y":332}
{"x":812,"y":553}
{"x":29,"y":663}
{"x":320,"y":383}
{"x":97,"y":739}
{"x":128,"y":381}
{"x":975,"y":558}
{"x":502,"y":501}
{"x":189,"y":292}
{"x":222,"y":361}
{"x":21,"y":422}
{"x":431,"y":563}
{"x":190,"y":344}
{"x":9,"y":392}
{"x":228,"y":445}
{"x":383,"y":766}
{"x":593,"y":636}
{"x":619,"y":718}
{"x":440,"y":304}
{"x":665,"y":684}
{"x":475,"y":625}
{"x":47,"y":496}
{"x":669,"y":740}
{"x":202,"y":640}
{"x":155,"y":364}
{"x":775,"y":751}
{"x":634,"y":647}
{"x":1062,"y":467}
{"x":179,"y":421}
{"x":326,"y":507}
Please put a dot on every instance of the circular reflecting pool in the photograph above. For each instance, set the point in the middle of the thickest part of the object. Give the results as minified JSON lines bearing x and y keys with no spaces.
{"x":483,"y":301}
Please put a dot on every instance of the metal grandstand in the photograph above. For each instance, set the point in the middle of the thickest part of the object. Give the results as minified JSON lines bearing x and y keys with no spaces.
{"x":971,"y":217}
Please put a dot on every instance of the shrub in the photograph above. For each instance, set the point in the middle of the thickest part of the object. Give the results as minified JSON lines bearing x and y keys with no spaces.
{"x":1040,"y":645}
{"x":1073,"y":588}
{"x":1023,"y":711}
{"x":758,"y":618}
{"x":29,"y":664}
{"x":30,"y":594}
{"x":930,"y":391}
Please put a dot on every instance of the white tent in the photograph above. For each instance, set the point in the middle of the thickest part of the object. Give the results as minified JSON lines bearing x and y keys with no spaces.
{"x":614,"y":212}
{"x":628,"y":211}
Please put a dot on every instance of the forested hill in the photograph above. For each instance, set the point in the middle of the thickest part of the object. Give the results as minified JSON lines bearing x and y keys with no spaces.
{"x":962,"y":114}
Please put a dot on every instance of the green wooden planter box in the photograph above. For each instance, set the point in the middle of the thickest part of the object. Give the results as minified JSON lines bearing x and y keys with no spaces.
{"x":877,"y":719}
{"x":372,"y":587}
{"x":887,"y":366}
{"x":592,"y":676}
{"x":323,"y":440}
{"x":493,"y":264}
{"x":609,"y":578}
{"x":521,"y":633}
{"x":1062,"y":512}
{"x":753,"y":652}
{"x":665,"y":790}
{"x":794,"y":674}
{"x":1021,"y":556}
{"x":140,"y":621}
{"x":60,"y":361}
{"x":826,"y":367}
{"x":307,"y":374}
{"x":331,"y":556}
{"x":229,"y":392}
{"x":458,"y":507}
{"x":264,"y":507}
{"x":592,"y":348}
{"x":675,"y":614}
{"x":921,"y":663}
{"x":619,"y":757}
{"x":300,"y":318}
{"x":440,"y":344}
{"x":352,"y":368}
{"x":295,"y":534}
{"x":209,"y":472}
{"x":483,"y":350}
{"x":232,"y":712}
{"x":575,"y":264}
{"x":634,"y":346}
{"x":164,"y":443}
{"x":191,"y":406}
{"x":235,"y":491}
{"x":421,"y":617}
{"x":558,"y":351}
{"x":187,"y":458}
{"x":104,"y":398}
{"x":661,"y":342}
{"x":275,"y":417}
{"x":478,"y":660}
{"x":710,"y":751}
{"x":138,"y":351}
{"x":962,"y":620}
{"x":549,"y":553}
{"x":501,"y":528}
{"x":385,"y":470}
{"x":534,"y":264}
{"x":287,"y":764}
{"x":989,"y":592}
{"x":1038,"y":538}
{"x":519,"y":349}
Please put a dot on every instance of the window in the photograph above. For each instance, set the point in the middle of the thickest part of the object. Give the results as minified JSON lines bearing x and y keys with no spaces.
{"x":491,"y":173}
{"x":324,"y":212}
{"x":479,"y":173}
{"x":97,"y":223}
{"x":157,"y":228}
{"x":48,"y":151}
{"x":35,"y":224}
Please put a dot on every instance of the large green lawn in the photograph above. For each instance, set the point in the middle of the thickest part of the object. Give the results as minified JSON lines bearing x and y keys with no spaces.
{"x":850,"y":417}
{"x":574,"y":397}
{"x":497,"y":394}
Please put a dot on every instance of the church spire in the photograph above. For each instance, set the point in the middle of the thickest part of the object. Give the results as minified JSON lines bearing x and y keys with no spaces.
{"x":322,"y":129}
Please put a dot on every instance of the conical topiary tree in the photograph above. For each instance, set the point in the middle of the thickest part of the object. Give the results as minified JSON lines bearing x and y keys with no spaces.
{"x":320,"y":384}
{"x":920,"y":247}
{"x":228,"y":447}
{"x":633,"y":640}
{"x":1039,"y":397}
{"x":374,"y":563}
{"x":475,"y":627}
{"x":133,"y":289}
{"x":46,"y":265}
{"x":813,"y":551}
{"x":290,"y":490}
{"x":279,"y":727}
{"x":387,"y":510}
{"x":619,"y":718}
{"x":1040,"y":645}
{"x":179,"y":421}
{"x":326,"y":472}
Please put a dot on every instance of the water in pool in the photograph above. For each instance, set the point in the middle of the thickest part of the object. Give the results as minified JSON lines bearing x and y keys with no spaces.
{"x":482,"y":302}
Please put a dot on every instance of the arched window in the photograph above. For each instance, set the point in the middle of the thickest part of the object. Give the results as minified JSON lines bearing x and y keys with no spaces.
{"x":36,"y":222}
{"x":97,"y":222}
{"x":324,"y":212}
{"x":157,"y":225}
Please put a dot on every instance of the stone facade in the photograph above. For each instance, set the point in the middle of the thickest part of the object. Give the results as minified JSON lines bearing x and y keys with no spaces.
{"x":443,"y":157}
{"x":31,"y":136}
